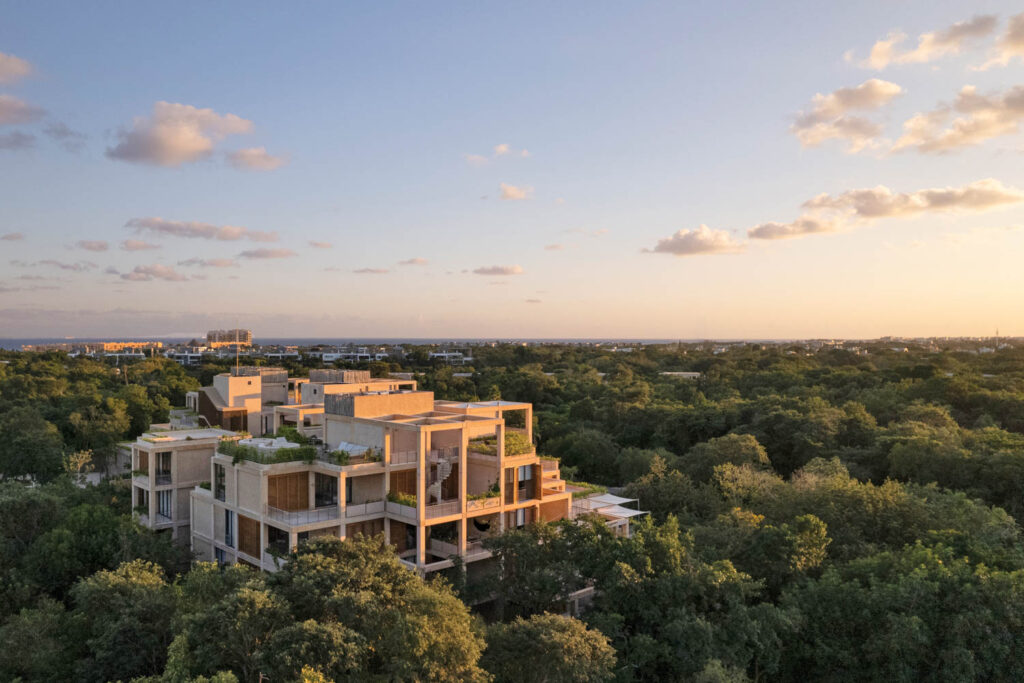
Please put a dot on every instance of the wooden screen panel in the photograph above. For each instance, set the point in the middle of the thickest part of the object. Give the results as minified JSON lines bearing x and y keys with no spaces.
{"x":370,"y":527}
{"x":404,"y":481}
{"x":249,"y":536}
{"x":288,"y":491}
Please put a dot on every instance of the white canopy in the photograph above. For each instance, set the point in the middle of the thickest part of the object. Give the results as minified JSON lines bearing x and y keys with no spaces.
{"x":352,"y":448}
{"x":620,"y":512}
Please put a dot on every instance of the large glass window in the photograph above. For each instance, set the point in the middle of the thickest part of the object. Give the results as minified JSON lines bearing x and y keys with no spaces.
{"x":277,"y":539}
{"x":229,"y":528}
{"x":163,"y":468}
{"x":218,"y":482}
{"x":164,"y":503}
{"x":326,"y":490}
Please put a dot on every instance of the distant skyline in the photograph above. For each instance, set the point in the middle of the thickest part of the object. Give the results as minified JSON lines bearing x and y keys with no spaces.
{"x":580,"y":170}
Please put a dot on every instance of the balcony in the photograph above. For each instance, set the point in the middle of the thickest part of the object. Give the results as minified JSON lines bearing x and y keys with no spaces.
{"x":548,"y":465}
{"x":163,"y":478}
{"x":401,"y":510}
{"x":483,"y":504}
{"x":362,"y":509}
{"x":299,"y":517}
{"x":443,"y":509}
{"x":404,"y":457}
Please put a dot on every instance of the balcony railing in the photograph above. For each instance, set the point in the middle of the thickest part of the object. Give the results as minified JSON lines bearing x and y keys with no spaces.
{"x":297,"y":517}
{"x":401,"y":510}
{"x":442,"y":548}
{"x":360,"y":509}
{"x":548,"y":465}
{"x":443,"y":509}
{"x":163,"y":478}
{"x":483,"y":504}
{"x":404,"y":457}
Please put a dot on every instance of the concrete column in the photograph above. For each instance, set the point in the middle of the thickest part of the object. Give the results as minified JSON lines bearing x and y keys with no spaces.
{"x":151,"y":458}
{"x":461,"y":525}
{"x":529,"y":423}
{"x":421,"y":499}
{"x":387,"y":449}
{"x":311,"y":482}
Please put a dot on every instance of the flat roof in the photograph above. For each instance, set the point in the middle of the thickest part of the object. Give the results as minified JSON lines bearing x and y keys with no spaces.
{"x":482,"y":404}
{"x":174,"y":435}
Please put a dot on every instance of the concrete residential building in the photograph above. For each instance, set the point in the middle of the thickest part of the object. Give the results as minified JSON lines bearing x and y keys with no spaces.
{"x":218,"y":338}
{"x":166,"y":466}
{"x":324,"y":382}
{"x":243,"y":399}
{"x":434,"y":477}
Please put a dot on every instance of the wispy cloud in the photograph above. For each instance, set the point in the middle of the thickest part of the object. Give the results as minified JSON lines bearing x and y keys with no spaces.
{"x":71,"y":140}
{"x":77,"y":267}
{"x":533,"y":301}
{"x":981,"y":118}
{"x":829,"y":213}
{"x":829,"y":117}
{"x":255,"y":159}
{"x":370,"y":271}
{"x":703,"y":240}
{"x":194,"y":229}
{"x":501,"y":150}
{"x":12,"y":237}
{"x":512,"y":192}
{"x":415,"y":261}
{"x":175,"y":134}
{"x":499,"y":270}
{"x":156,"y":271}
{"x":17,"y":141}
{"x":137,"y":245}
{"x":321,"y":245}
{"x":930,"y":46}
{"x":13,"y":69}
{"x":552,"y":247}
{"x":1010,"y":45}
{"x":209,"y":262}
{"x":14,"y":111}
{"x":92,"y":245}
{"x":267,"y":253}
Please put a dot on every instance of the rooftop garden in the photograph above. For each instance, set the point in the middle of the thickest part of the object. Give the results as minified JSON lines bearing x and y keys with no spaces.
{"x":588,"y":488}
{"x":237,"y":453}
{"x":515,"y":444}
{"x":402,"y":498}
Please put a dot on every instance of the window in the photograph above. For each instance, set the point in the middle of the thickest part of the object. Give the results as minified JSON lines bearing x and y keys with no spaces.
{"x":163,"y":468}
{"x":218,"y":482}
{"x":220,"y":555}
{"x":525,"y":473}
{"x":229,"y":528}
{"x":164,"y":503}
{"x":326,"y":490}
{"x":348,"y":491}
{"x":277,"y":539}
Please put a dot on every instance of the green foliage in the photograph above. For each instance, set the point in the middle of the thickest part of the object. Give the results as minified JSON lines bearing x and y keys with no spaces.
{"x":238,"y":452}
{"x":548,"y":647}
{"x":402,"y":498}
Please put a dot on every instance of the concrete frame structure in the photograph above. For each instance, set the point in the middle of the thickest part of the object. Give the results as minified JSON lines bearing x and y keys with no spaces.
{"x":400,"y":446}
{"x":166,"y":465}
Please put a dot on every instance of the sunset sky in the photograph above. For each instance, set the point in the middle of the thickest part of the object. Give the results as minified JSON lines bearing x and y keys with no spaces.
{"x":573,"y":169}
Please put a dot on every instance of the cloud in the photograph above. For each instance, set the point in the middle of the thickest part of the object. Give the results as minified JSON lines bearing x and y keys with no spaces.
{"x":210,"y":263}
{"x":1009,"y":45}
{"x":881,"y":202}
{"x":552,"y":247}
{"x":13,"y":69}
{"x":505,"y":150}
{"x":79,"y":267}
{"x":499,"y":270}
{"x":92,"y":245}
{"x":255,"y":159}
{"x":703,"y":240}
{"x":512,"y":192}
{"x":502,"y":150}
{"x":805,"y":225}
{"x":14,"y":111}
{"x":111,"y":270}
{"x":533,"y":301}
{"x":415,"y":261}
{"x":982,"y":118}
{"x":194,"y":229}
{"x":154,"y":272}
{"x":175,"y":134}
{"x":12,"y":237}
{"x":370,"y":271}
{"x":930,"y":46}
{"x":137,"y":245}
{"x":267,"y":253}
{"x":71,"y":140}
{"x":830,"y":213}
{"x":321,"y":245}
{"x":829,"y":118}
{"x":17,"y":141}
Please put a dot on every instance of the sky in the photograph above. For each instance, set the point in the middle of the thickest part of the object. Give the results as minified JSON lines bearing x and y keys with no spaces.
{"x":515,"y":170}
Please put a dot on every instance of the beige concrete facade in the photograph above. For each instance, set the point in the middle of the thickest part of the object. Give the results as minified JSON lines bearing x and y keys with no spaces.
{"x":166,"y":465}
{"x":432,"y":476}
